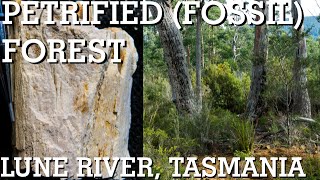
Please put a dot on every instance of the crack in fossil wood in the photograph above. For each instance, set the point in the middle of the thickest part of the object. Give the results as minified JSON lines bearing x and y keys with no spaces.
{"x":90,"y":124}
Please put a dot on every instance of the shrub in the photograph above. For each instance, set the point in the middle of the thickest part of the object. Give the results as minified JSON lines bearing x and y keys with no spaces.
{"x":314,"y":90}
{"x":242,"y":154}
{"x":228,"y":90}
{"x":159,"y":146}
{"x":311,"y":167}
{"x":243,"y":134}
{"x":154,"y":146}
{"x":279,"y":84}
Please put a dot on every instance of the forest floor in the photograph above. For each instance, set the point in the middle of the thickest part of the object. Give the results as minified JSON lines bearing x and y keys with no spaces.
{"x":267,"y":151}
{"x":266,"y":147}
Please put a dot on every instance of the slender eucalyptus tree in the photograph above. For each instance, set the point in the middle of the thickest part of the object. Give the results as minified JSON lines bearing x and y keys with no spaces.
{"x":198,"y":60}
{"x":301,"y":100}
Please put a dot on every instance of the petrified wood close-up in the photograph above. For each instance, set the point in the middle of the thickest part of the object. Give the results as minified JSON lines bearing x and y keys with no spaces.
{"x":71,"y":110}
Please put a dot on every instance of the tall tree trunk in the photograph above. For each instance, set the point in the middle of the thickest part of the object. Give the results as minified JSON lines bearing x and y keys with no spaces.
{"x":213,"y":52}
{"x":301,"y":100}
{"x":202,"y":44}
{"x":175,"y":57}
{"x":255,"y":104}
{"x":188,"y":56}
{"x":234,"y":43}
{"x":198,"y":60}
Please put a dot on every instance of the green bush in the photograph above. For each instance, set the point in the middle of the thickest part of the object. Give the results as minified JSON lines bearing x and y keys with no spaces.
{"x":154,"y":146}
{"x":279,"y":84}
{"x":242,"y":154}
{"x":159,"y":111}
{"x":314,"y":89}
{"x":243,"y":134}
{"x":159,"y":146}
{"x":228,"y":90}
{"x":311,"y":167}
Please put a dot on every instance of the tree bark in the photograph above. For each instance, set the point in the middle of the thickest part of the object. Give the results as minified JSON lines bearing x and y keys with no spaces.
{"x":198,"y":60}
{"x":255,"y":104}
{"x":188,"y":56}
{"x":202,"y":44}
{"x":175,"y":57}
{"x":301,"y":100}
{"x":234,"y":43}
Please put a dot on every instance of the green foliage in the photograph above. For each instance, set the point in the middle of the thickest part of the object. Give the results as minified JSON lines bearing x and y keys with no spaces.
{"x":274,"y":128}
{"x":154,"y":147}
{"x":228,"y":90}
{"x":311,"y":132}
{"x":225,"y":88}
{"x":242,"y":154}
{"x":279,"y":70}
{"x":314,"y":89}
{"x":311,"y":167}
{"x":152,"y":51}
{"x":279,"y":84}
{"x":159,"y":146}
{"x":314,"y":74}
{"x":159,"y":111}
{"x":221,"y":121}
{"x":243,"y":133}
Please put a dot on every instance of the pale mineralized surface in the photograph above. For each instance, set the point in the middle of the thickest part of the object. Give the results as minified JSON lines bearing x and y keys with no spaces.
{"x":72,"y":110}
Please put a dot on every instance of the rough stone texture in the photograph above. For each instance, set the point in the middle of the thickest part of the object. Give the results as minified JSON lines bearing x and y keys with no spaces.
{"x":72,"y":110}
